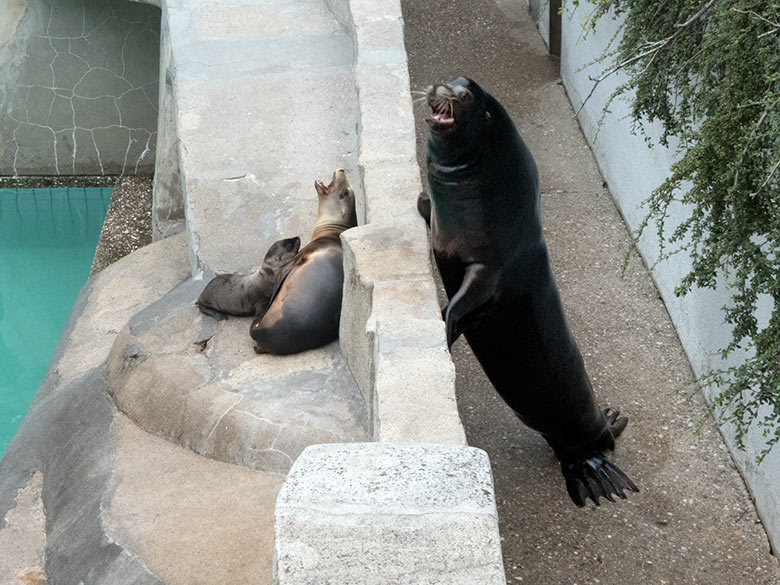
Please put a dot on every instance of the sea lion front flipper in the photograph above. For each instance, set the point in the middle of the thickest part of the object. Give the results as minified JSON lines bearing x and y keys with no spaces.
{"x":593,"y":478}
{"x":467,"y":305}
{"x":218,"y":315}
{"x":424,"y":207}
{"x":280,"y":278}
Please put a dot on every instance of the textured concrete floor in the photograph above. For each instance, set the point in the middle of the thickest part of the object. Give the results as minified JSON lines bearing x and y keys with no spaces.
{"x":693,"y":521}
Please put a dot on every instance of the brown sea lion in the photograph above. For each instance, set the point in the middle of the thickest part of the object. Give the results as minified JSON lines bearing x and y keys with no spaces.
{"x":305,"y":308}
{"x":486,"y":233}
{"x":247,"y":294}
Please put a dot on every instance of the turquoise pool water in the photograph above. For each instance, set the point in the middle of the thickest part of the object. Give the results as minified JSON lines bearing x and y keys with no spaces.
{"x":47,"y":242}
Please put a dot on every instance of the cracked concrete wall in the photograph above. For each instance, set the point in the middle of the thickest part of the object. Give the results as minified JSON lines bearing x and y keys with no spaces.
{"x":80,"y":87}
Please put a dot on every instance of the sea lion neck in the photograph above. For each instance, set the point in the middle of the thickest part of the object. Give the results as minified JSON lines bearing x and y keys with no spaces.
{"x":329,"y":230}
{"x":453,"y":150}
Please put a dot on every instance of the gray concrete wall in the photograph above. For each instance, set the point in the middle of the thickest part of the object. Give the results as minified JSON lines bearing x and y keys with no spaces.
{"x":633,"y":170}
{"x":79,"y":81}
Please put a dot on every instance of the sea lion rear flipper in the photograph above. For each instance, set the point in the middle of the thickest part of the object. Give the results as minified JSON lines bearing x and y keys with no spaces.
{"x":218,"y":315}
{"x":468,"y":304}
{"x":616,"y":423}
{"x":593,"y":478}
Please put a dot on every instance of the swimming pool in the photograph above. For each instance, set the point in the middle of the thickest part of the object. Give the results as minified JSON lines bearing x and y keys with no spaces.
{"x":47,"y":242}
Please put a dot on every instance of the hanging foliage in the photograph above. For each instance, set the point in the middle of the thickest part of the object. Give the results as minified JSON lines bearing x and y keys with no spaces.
{"x":709,"y":72}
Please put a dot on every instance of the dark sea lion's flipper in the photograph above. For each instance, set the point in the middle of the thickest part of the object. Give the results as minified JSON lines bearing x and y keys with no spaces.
{"x":473,"y":297}
{"x":617,"y":423}
{"x":424,"y":207}
{"x":593,"y":478}
{"x":218,"y":315}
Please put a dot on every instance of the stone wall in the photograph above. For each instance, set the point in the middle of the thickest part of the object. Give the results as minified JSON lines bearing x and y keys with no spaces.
{"x":80,"y":85}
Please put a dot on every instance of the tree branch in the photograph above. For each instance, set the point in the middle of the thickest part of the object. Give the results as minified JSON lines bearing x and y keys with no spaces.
{"x":649,"y":48}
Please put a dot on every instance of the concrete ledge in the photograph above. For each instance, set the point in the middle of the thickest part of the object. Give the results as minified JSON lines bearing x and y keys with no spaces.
{"x":391,"y":329}
{"x":393,"y":338}
{"x":379,"y":513}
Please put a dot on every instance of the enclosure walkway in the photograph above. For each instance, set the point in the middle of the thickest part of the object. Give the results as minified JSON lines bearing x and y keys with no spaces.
{"x":693,"y":521}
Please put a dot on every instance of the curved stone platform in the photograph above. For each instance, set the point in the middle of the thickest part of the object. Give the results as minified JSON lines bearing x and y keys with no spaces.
{"x":185,"y":377}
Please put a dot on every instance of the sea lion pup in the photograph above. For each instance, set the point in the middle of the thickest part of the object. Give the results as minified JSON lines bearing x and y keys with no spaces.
{"x":247,"y":294}
{"x":486,"y":234}
{"x":305,"y":308}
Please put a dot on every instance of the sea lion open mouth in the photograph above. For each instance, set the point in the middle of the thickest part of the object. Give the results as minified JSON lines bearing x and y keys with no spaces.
{"x":447,"y":102}
{"x":339,"y":176}
{"x":325,"y":187}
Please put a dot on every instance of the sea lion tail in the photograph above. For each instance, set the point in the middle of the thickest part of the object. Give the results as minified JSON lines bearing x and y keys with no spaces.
{"x":595,"y":477}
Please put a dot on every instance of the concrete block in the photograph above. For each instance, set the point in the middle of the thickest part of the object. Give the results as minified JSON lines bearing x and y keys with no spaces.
{"x":355,"y":338}
{"x":365,"y":11}
{"x":276,"y":18}
{"x":387,"y":119}
{"x":392,"y":188}
{"x":388,"y":514}
{"x":397,"y":282}
{"x":381,"y":42}
{"x":388,"y":252}
{"x":168,"y":197}
{"x":414,"y":388}
{"x":236,"y":196}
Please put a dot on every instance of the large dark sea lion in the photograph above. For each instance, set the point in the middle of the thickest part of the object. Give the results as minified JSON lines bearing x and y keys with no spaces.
{"x":486,"y":234}
{"x":305,"y":309}
{"x":247,"y":294}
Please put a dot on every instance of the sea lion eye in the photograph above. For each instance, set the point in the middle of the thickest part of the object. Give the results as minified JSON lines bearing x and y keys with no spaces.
{"x":343,"y":195}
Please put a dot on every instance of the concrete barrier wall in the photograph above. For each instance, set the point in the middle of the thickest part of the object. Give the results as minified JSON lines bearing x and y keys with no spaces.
{"x":80,"y":87}
{"x":633,"y":170}
{"x":392,"y":333}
